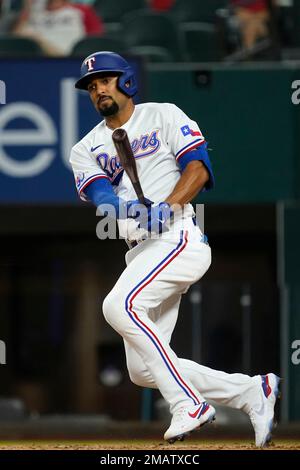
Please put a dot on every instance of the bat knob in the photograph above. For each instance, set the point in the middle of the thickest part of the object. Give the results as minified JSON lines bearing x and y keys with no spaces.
{"x":119,"y":135}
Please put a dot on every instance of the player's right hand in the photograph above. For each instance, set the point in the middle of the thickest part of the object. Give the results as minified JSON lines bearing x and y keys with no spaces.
{"x":151,"y":218}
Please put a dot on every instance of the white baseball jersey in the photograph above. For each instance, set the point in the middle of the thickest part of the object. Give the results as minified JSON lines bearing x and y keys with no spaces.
{"x":159,"y":133}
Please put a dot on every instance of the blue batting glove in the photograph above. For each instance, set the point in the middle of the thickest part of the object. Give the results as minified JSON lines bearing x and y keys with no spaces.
{"x":140,"y":212}
{"x":152,"y":218}
{"x":136,"y":209}
{"x":132,"y":209}
{"x":159,"y":216}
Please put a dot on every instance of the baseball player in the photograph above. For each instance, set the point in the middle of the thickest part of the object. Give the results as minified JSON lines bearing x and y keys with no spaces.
{"x":173,"y":167}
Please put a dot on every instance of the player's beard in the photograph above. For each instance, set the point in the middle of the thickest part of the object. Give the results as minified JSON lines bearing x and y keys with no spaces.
{"x":109,"y":110}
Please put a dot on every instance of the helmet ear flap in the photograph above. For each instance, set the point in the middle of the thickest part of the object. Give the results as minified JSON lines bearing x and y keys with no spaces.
{"x":127,"y":83}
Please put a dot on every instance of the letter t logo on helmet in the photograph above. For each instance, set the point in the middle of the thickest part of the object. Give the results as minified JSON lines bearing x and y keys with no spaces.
{"x":104,"y":63}
{"x":90,"y":63}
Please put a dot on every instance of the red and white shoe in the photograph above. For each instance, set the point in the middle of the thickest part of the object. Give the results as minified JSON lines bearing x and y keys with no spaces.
{"x":186,"y":420}
{"x":262,"y":411}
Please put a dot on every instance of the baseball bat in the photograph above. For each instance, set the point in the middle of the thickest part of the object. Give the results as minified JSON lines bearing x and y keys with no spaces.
{"x":125,"y":154}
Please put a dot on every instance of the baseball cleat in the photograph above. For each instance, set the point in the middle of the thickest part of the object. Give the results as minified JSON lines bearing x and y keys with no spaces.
{"x":186,"y":420}
{"x":262,"y":413}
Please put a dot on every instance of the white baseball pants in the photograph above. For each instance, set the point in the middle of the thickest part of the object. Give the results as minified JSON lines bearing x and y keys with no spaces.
{"x":143,"y":308}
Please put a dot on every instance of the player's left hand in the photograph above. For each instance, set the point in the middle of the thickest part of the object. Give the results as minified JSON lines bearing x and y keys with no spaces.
{"x":135,"y":207}
{"x":152,"y":218}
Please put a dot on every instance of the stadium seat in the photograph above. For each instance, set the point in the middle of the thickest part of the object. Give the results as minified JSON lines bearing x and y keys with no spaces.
{"x":151,"y":53}
{"x":88,"y":45}
{"x":196,"y":10}
{"x":113,"y":30}
{"x":13,"y":46}
{"x":112,"y":10}
{"x":14,"y":5}
{"x":201,"y":44}
{"x":152,"y":31}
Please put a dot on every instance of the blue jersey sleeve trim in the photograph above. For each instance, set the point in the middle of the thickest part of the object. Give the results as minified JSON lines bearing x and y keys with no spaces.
{"x":189,"y":147}
{"x":101,"y":192}
{"x":90,"y":180}
{"x":199,"y":154}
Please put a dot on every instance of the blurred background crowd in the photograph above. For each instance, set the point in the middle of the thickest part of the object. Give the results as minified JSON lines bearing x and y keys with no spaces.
{"x":158,"y":30}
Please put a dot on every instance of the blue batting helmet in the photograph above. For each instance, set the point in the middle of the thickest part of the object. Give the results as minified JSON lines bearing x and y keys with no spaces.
{"x":101,"y":62}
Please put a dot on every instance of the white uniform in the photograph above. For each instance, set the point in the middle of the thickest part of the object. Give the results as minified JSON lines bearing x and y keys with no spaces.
{"x":143,"y":305}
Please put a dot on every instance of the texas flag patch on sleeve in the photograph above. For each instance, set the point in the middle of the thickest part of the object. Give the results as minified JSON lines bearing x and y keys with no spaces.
{"x":186,"y":130}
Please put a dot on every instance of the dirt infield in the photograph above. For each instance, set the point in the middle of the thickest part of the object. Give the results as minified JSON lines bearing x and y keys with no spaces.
{"x":151,"y":445}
